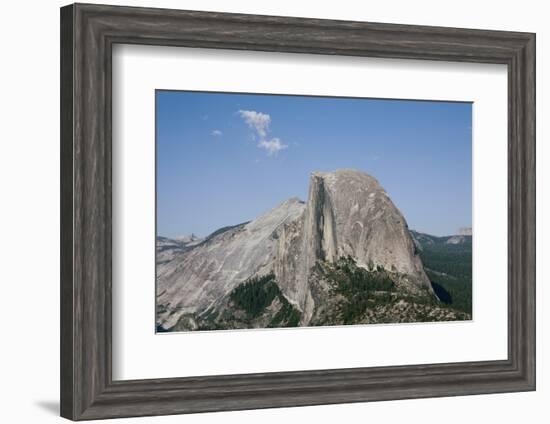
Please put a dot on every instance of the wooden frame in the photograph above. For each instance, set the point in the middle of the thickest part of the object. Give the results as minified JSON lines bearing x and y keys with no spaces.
{"x":88,"y":33}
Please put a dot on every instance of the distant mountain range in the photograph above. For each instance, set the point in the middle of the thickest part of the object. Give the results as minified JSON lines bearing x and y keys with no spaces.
{"x":346,"y":256}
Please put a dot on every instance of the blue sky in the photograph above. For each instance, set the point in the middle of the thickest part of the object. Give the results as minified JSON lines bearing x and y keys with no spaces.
{"x":223,"y":159}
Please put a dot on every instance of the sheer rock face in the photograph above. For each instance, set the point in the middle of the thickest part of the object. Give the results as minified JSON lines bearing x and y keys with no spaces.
{"x":347,"y":213}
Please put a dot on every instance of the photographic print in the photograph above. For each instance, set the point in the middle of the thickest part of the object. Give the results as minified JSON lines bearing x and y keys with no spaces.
{"x":280,"y":211}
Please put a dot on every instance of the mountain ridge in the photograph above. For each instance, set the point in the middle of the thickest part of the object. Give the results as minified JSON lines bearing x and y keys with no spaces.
{"x":301,"y":246}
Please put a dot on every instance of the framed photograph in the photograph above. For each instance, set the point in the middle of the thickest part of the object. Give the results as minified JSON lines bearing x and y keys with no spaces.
{"x":332,"y":250}
{"x":264,"y":211}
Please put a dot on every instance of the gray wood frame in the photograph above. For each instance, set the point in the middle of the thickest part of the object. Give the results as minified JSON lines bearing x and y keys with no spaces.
{"x":88,"y":33}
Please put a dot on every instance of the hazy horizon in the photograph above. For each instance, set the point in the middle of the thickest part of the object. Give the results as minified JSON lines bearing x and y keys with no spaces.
{"x":224,"y":159}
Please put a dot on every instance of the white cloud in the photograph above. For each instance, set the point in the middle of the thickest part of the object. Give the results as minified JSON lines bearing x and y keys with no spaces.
{"x":259,"y":122}
{"x":272,"y":146}
{"x":216,"y":133}
{"x":256,"y":120}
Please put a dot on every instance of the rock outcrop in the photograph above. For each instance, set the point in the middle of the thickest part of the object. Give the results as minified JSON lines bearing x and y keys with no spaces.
{"x":465,"y":231}
{"x":347,"y":214}
{"x":201,"y":276}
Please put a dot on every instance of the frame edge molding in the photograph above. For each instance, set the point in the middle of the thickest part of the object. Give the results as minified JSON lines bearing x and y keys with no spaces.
{"x":87,"y":35}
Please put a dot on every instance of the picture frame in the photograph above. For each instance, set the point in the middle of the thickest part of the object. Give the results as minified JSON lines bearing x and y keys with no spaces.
{"x":88,"y":33}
